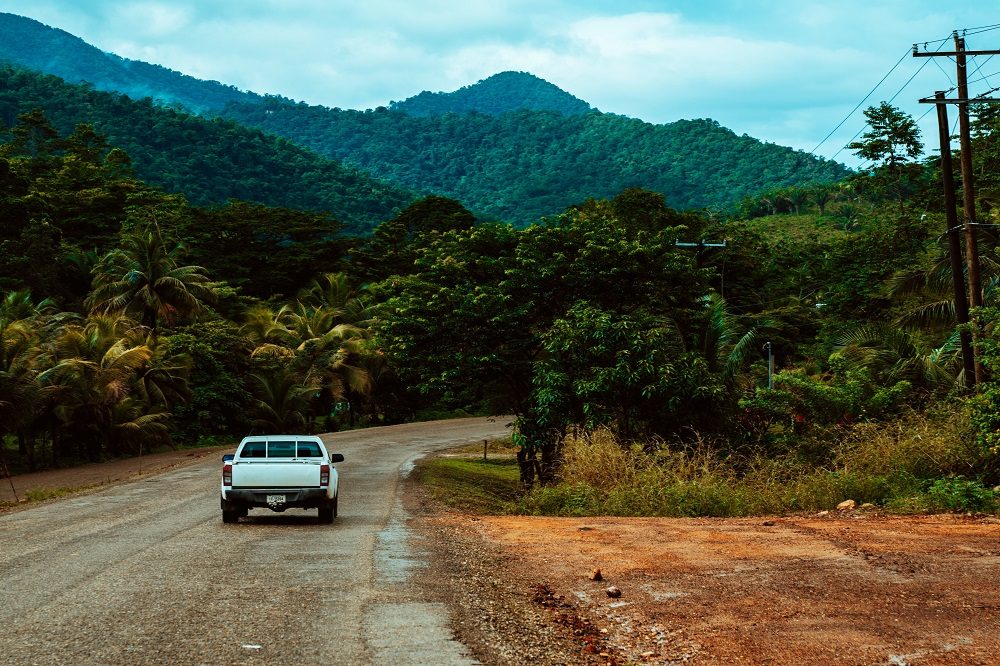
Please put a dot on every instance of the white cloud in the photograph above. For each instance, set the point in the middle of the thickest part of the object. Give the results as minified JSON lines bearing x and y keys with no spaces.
{"x":150,"y":19}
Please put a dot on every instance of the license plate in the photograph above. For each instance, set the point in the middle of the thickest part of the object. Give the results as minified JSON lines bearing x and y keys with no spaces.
{"x":275,"y":499}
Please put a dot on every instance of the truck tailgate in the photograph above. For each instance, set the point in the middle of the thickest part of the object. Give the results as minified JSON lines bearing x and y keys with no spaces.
{"x":276,"y":474}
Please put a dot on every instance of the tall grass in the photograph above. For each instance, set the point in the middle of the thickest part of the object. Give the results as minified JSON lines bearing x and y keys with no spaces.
{"x":919,"y":463}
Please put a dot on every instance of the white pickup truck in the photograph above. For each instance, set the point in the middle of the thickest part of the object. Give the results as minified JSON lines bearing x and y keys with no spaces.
{"x":278,"y":472}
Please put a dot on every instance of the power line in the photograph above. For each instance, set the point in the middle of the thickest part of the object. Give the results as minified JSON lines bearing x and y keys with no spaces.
{"x":946,"y":75}
{"x":965,"y":31}
{"x":980,"y":29}
{"x":863,"y":100}
{"x":890,"y":100}
{"x":985,"y":77}
{"x":940,"y":45}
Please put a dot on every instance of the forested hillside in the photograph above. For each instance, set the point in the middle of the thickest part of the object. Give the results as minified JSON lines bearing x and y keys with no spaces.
{"x":209,"y":161}
{"x":521,"y":165}
{"x":37,"y":46}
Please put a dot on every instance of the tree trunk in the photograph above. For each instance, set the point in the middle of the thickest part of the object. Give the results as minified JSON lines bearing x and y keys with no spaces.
{"x":526,"y":466}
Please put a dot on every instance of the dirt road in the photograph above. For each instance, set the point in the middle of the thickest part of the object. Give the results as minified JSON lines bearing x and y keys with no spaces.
{"x":147,"y":573}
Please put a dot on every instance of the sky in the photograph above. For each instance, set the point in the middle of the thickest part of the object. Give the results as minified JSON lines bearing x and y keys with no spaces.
{"x":783,"y":71}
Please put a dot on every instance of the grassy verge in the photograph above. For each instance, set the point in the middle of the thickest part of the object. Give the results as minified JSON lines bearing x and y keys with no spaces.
{"x":469,"y":483}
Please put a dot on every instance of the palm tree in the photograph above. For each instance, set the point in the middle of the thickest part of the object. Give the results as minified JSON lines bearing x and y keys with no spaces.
{"x":143,"y":278}
{"x":821,"y":195}
{"x":332,"y":291}
{"x":22,"y":325}
{"x":18,"y":388}
{"x":328,"y":352}
{"x":92,"y":368}
{"x":724,"y":345}
{"x":892,"y":353}
{"x":935,"y":287}
{"x":282,"y":400}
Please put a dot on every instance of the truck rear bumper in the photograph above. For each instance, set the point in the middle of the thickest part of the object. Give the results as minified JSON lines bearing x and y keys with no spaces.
{"x":268,"y":497}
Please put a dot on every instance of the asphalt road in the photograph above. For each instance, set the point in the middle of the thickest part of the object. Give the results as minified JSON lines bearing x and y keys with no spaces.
{"x":147,"y":573}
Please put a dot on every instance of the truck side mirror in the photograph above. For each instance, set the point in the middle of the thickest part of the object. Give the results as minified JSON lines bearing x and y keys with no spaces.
{"x":228,"y":457}
{"x":336,"y":457}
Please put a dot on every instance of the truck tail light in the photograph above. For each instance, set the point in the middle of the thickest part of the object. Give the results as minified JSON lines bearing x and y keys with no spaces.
{"x":324,"y":475}
{"x":227,"y":475}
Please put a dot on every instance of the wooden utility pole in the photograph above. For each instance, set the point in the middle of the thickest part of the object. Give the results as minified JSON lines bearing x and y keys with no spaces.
{"x":954,"y":246}
{"x":965,"y":145}
{"x":968,"y":193}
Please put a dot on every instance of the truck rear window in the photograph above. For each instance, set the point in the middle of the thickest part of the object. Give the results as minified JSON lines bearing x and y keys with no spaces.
{"x":309,"y":450}
{"x":281,"y":449}
{"x":254,"y":450}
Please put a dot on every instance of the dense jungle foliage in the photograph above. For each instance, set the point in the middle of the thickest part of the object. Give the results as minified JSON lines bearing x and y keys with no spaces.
{"x":168,"y":280}
{"x":511,"y":147}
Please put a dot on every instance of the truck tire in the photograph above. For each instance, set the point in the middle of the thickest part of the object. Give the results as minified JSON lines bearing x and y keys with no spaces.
{"x":327,"y":511}
{"x":335,"y":504}
{"x":231,"y":511}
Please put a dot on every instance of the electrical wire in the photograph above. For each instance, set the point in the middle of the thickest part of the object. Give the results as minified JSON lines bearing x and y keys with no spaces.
{"x":891,"y":99}
{"x":965,"y":31}
{"x":863,"y":100}
{"x":985,"y":77}
{"x":980,"y":29}
{"x":946,"y":75}
{"x":939,"y":45}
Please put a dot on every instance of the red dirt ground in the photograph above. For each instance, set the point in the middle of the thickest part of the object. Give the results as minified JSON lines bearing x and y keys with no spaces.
{"x":849,"y":588}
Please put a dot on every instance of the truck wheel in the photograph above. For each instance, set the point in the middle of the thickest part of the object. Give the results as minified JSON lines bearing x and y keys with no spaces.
{"x":327,"y":512}
{"x":230,"y":516}
{"x":335,"y":504}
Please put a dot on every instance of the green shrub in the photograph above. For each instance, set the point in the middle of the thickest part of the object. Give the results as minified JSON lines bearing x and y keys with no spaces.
{"x":955,"y":493}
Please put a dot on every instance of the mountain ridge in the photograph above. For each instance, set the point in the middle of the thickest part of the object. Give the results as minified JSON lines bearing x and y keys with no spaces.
{"x":494,"y":95}
{"x":54,"y":51}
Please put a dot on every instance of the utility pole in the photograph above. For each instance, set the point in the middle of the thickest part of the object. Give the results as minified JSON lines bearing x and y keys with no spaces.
{"x":968,"y":193}
{"x":954,"y":246}
{"x":965,"y":145}
{"x":701,"y":245}
{"x":770,"y":365}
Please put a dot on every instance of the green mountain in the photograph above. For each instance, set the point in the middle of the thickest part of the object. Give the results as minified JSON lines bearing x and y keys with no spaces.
{"x":521,"y":165}
{"x":34,"y":45}
{"x":208,"y":160}
{"x":500,"y":93}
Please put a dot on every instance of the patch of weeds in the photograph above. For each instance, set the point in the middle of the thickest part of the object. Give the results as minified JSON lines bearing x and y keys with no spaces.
{"x":42,"y":494}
